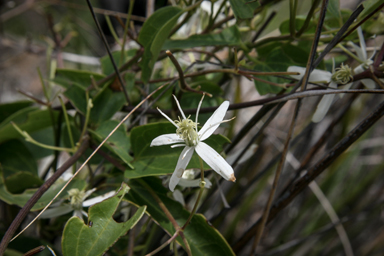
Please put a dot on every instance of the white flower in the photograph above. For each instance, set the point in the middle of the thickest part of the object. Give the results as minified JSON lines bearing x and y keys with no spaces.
{"x":320,"y":76}
{"x":188,"y":136}
{"x":363,"y":57}
{"x":76,"y":203}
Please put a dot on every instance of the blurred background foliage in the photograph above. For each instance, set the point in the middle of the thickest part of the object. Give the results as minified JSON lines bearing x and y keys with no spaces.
{"x":60,"y":89}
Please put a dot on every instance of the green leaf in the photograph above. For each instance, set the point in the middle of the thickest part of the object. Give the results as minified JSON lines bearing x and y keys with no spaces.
{"x":369,"y":7}
{"x":227,"y":37}
{"x":161,"y":160}
{"x":105,"y":105}
{"x":153,"y":34}
{"x":15,"y":157}
{"x":243,"y":10}
{"x":118,"y":143}
{"x":279,"y":58}
{"x":19,"y":167}
{"x":77,"y":97}
{"x":29,"y":119}
{"x":202,"y":237}
{"x":106,"y":63}
{"x":8,"y":109}
{"x":81,"y":239}
{"x":79,"y":78}
{"x":21,"y":199}
{"x":45,"y":136}
{"x":299,"y":22}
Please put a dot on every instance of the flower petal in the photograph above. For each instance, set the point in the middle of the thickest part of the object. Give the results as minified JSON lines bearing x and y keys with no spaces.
{"x":98,"y":199}
{"x":88,"y":193}
{"x":324,"y":105}
{"x":320,"y":76}
{"x":361,"y":55}
{"x":359,"y":69}
{"x":316,"y":75}
{"x":297,"y":69}
{"x":369,"y":83}
{"x":182,"y":163}
{"x":166,"y":139}
{"x":56,"y":211}
{"x":215,"y":161}
{"x":362,"y":44}
{"x":167,"y":117}
{"x":345,"y":87}
{"x":214,"y":121}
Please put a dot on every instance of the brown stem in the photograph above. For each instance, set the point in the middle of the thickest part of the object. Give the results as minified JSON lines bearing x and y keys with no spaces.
{"x":315,"y":171}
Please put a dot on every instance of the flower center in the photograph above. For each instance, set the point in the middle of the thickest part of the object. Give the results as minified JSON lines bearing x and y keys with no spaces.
{"x":76,"y":198}
{"x":187,"y":131}
{"x":343,"y":74}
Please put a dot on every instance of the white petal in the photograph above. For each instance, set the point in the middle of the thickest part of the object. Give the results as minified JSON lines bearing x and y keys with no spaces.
{"x":324,"y":105}
{"x":98,"y":199}
{"x":178,"y":105}
{"x":345,"y":87}
{"x":169,"y":119}
{"x":320,"y":76}
{"x":215,"y":161}
{"x":178,"y":196}
{"x":88,"y":193}
{"x":214,"y":121}
{"x":362,"y":44}
{"x":182,"y":163}
{"x":55,"y":212}
{"x":300,"y":70}
{"x":315,"y":76}
{"x":369,"y":83}
{"x":359,"y":69}
{"x":198,"y":110}
{"x":194,"y":183}
{"x":166,"y":139}
{"x":360,"y":54}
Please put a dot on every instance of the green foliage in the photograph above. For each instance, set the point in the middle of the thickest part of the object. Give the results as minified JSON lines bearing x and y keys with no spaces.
{"x":155,"y":31}
{"x":243,"y":10}
{"x":96,"y":238}
{"x":227,"y":37}
{"x":202,"y":237}
{"x":218,"y":47}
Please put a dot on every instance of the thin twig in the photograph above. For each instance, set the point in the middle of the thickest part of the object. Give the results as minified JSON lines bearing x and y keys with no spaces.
{"x":315,"y":171}
{"x":122,"y":84}
{"x":89,"y":158}
{"x":279,"y":169}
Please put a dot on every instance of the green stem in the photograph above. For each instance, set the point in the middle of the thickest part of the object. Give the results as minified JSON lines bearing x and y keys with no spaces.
{"x":89,"y":106}
{"x":122,"y":55}
{"x":202,"y":185}
{"x":113,"y":32}
{"x":350,"y":53}
{"x":67,"y":122}
{"x":31,"y":140}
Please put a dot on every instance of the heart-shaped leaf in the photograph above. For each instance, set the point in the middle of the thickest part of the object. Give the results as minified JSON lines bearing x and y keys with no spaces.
{"x":80,"y":239}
